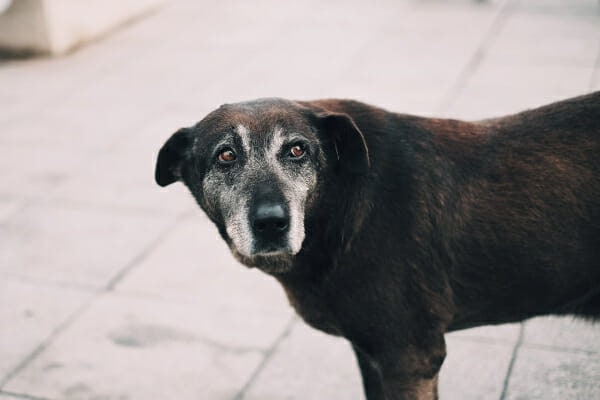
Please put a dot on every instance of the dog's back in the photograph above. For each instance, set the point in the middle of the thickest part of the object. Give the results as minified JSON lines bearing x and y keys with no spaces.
{"x":511,"y":205}
{"x":535,"y":220}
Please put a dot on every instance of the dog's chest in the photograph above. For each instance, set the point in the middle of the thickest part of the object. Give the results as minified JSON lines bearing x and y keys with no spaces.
{"x":314,"y":308}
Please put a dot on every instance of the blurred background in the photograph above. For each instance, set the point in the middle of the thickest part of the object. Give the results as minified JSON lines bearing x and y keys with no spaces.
{"x":113,"y":288}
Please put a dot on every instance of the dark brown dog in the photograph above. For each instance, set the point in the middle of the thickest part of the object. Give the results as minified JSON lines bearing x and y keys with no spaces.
{"x":391,"y":229}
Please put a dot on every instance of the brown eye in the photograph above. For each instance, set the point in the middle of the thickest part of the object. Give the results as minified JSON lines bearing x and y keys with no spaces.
{"x":297,"y":151}
{"x":227,"y":156}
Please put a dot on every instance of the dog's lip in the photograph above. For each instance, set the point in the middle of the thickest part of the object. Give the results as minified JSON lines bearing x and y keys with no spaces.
{"x":272,"y":252}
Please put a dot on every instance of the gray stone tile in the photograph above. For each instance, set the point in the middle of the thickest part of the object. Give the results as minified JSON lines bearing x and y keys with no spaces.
{"x":142,"y":349}
{"x":545,"y":374}
{"x":193,"y":265}
{"x":400,"y":66}
{"x":561,"y":7}
{"x":595,"y":81}
{"x":496,"y":90}
{"x":48,"y":131}
{"x":542,"y":40}
{"x":505,"y":333}
{"x":566,"y":333}
{"x":124,"y":175}
{"x":83,"y":130}
{"x":74,"y":245}
{"x":4,"y":396}
{"x":474,"y":369}
{"x":33,"y":171}
{"x":30,"y":312}
{"x":9,"y":206}
{"x":309,"y":365}
{"x":38,"y":83}
{"x":300,"y":368}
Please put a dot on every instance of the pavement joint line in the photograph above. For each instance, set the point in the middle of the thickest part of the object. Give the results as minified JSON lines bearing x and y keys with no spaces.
{"x":128,"y":209}
{"x":48,"y":340}
{"x":484,"y":340}
{"x":513,"y":360}
{"x":88,"y":303}
{"x":23,"y":396}
{"x":237,"y":350}
{"x":131,"y":265}
{"x":475,"y":61}
{"x":58,"y":284}
{"x":560,"y":349}
{"x":268,"y":356}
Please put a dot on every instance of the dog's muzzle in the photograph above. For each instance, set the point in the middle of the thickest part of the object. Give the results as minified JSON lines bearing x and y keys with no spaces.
{"x":270,"y":222}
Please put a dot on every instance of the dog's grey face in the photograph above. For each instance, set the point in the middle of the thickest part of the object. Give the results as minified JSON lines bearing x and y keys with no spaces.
{"x":258,"y":183}
{"x":254,"y":168}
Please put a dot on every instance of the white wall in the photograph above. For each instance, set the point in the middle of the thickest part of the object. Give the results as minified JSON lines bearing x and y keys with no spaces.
{"x":55,"y":26}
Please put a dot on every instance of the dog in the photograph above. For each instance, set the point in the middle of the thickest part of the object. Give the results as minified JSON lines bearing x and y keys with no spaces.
{"x":391,"y":230}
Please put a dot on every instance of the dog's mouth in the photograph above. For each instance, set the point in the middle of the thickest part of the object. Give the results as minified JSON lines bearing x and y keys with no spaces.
{"x":274,"y":261}
{"x":268,"y":237}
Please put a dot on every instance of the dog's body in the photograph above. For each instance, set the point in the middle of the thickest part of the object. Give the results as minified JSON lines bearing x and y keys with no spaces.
{"x":391,"y":230}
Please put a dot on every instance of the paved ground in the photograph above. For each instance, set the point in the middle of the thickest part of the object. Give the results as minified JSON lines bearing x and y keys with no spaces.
{"x":112,"y":288}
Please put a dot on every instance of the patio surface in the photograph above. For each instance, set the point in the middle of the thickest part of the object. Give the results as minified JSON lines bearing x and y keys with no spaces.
{"x":113,"y":288}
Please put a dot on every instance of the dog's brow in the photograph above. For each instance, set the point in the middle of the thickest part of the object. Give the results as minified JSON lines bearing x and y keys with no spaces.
{"x":295,"y":137}
{"x":244,"y":135}
{"x":277,"y":140}
{"x":227,"y":140}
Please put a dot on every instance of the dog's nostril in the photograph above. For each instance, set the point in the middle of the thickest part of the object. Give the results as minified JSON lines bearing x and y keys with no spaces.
{"x":281,"y":225}
{"x":270,"y":225}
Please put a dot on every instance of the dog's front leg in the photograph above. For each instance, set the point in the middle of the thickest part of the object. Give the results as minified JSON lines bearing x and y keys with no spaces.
{"x":396,"y":388}
{"x":371,"y":377}
{"x":397,"y":375}
{"x":410,"y":372}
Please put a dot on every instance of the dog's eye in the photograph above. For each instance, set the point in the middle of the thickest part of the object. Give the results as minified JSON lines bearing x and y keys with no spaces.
{"x":297,"y":151}
{"x":227,"y":156}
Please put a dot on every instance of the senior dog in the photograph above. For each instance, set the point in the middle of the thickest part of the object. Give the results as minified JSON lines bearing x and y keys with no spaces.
{"x":391,"y":230}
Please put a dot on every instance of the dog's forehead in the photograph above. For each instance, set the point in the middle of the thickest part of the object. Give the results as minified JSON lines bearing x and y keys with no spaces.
{"x":260,"y":118}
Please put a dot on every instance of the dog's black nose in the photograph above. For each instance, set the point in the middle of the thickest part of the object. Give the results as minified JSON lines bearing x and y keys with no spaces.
{"x":270,"y":219}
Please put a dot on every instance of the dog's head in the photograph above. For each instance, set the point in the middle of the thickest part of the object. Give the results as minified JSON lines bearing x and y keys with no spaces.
{"x":257,"y":168}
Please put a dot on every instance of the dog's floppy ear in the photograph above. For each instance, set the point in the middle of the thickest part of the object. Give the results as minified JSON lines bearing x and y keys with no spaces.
{"x":347,"y":140}
{"x":168,"y":164}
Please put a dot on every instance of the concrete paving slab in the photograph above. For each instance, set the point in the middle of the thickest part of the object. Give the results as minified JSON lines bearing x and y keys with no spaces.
{"x":566,"y":333}
{"x":34,"y":171}
{"x":8,"y":397}
{"x":140,"y":349}
{"x":496,"y":90}
{"x":393,"y":70}
{"x":8,"y":206}
{"x":123,"y":176}
{"x":308,"y":365}
{"x":89,"y":125}
{"x":301,"y":369}
{"x":543,"y":40}
{"x":595,"y":80}
{"x":194,"y":266}
{"x":30,"y":312}
{"x":74,"y":245}
{"x":545,"y":374}
{"x":505,"y":333}
{"x":534,"y":59}
{"x":37,"y":84}
{"x":474,"y":369}
{"x":561,"y":7}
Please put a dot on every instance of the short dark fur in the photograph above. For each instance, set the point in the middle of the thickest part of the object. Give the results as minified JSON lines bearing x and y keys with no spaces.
{"x":425,"y":226}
